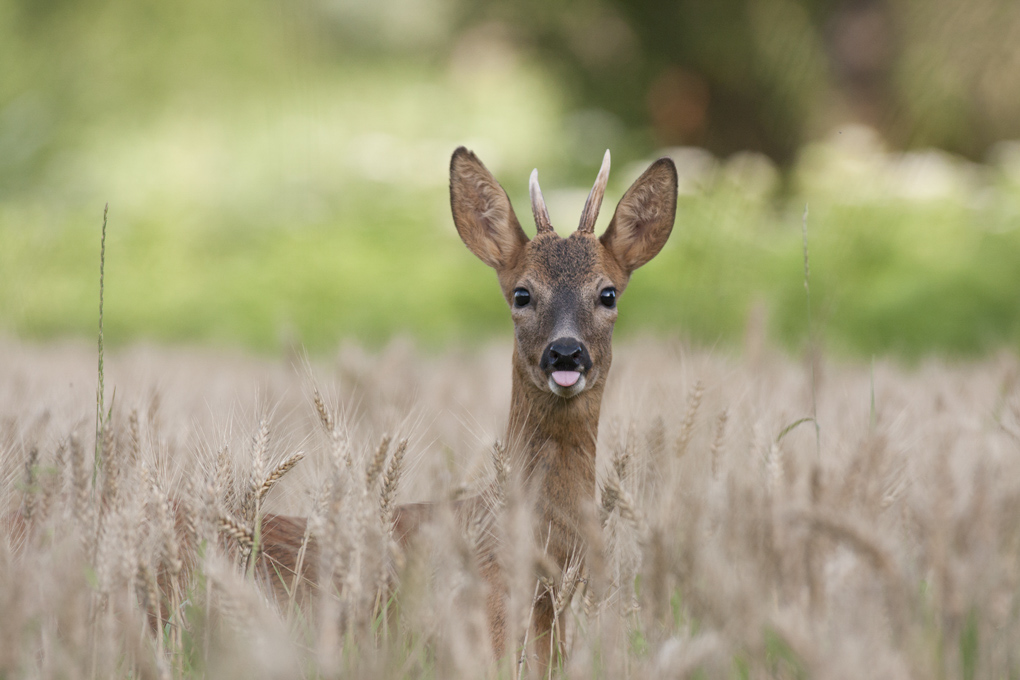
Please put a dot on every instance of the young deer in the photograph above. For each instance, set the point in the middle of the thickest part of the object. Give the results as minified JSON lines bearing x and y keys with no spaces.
{"x":562,"y":295}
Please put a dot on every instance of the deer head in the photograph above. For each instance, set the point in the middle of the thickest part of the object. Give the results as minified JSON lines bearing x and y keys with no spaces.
{"x":562,"y":292}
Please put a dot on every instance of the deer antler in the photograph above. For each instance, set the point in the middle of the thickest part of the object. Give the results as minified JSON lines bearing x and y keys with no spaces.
{"x":594,"y":202}
{"x":538,"y":204}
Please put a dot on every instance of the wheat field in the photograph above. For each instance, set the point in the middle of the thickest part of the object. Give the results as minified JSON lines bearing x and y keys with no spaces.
{"x":736,"y":540}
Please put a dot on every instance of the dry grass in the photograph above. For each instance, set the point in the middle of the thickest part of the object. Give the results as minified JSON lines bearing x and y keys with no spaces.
{"x":729,"y":546}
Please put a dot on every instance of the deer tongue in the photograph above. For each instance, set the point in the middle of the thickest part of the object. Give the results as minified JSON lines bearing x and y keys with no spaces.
{"x":565,"y":378}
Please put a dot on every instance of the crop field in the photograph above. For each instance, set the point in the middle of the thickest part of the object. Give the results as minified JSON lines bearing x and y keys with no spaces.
{"x":808,"y":457}
{"x":736,"y":540}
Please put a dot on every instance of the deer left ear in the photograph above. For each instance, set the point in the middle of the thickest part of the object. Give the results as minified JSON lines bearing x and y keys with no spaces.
{"x":644,"y":218}
{"x":482,"y":212}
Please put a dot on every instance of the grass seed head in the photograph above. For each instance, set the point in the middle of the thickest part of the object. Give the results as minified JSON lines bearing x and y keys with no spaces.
{"x":390,"y":482}
{"x":683,"y":440}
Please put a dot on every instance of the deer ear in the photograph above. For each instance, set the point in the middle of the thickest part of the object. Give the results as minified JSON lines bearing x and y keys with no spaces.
{"x":482,"y":212}
{"x":644,"y":217}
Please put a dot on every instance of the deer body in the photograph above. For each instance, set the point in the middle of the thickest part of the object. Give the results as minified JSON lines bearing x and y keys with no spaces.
{"x":562,"y":295}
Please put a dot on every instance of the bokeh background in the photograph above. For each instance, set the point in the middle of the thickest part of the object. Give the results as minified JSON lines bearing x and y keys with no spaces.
{"x":276,"y":171}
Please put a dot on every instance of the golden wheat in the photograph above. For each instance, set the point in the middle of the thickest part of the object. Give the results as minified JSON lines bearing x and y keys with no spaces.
{"x":740,"y":551}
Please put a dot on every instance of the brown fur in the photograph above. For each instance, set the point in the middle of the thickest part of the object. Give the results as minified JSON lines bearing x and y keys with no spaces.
{"x":283,"y":536}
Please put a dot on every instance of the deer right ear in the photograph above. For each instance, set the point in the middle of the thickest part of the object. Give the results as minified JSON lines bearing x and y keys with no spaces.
{"x":482,"y":212}
{"x":644,"y":218}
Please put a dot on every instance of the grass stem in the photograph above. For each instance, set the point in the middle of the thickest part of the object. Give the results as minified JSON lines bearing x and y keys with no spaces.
{"x":812,"y":354}
{"x":100,"y":389}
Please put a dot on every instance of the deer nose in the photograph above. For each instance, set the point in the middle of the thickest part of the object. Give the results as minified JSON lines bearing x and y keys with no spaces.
{"x":565,"y":354}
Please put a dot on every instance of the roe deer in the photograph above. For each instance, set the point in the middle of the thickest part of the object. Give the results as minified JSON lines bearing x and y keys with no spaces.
{"x":563,"y":297}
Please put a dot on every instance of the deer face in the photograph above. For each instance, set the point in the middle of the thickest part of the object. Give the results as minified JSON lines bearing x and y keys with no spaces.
{"x":562,"y":293}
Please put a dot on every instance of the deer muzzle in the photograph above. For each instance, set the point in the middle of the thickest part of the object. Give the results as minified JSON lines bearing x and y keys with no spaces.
{"x":565,"y":361}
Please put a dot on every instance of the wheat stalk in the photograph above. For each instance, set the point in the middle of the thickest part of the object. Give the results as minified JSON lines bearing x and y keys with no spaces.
{"x":100,"y":388}
{"x":390,"y":480}
{"x":277,"y":474}
{"x":717,"y":443}
{"x":325,"y":417}
{"x":251,"y":507}
{"x":609,"y":498}
{"x":623,"y":454}
{"x":259,"y":447}
{"x":80,"y":483}
{"x":501,"y":465}
{"x":626,"y":506}
{"x":683,"y":440}
{"x":811,"y":338}
{"x":135,"y":442}
{"x":111,"y":464}
{"x":375,"y":466}
{"x":244,"y":536}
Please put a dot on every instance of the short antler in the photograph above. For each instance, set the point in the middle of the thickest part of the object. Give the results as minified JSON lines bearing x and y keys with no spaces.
{"x":538,"y":204}
{"x":594,"y":202}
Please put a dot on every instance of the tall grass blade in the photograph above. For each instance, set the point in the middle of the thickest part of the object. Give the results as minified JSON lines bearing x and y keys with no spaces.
{"x":100,"y":389}
{"x":811,"y":337}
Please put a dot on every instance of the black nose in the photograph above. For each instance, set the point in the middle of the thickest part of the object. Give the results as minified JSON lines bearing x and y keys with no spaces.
{"x":565,"y":354}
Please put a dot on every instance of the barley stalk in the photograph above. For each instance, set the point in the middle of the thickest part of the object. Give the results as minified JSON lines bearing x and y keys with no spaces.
{"x":251,"y":507}
{"x":61,"y":464}
{"x":111,"y":465}
{"x":623,"y":454}
{"x":325,"y":417}
{"x":100,"y":388}
{"x":610,"y":496}
{"x":501,"y":464}
{"x":717,"y":443}
{"x":170,"y":551}
{"x":690,"y":417}
{"x":28,"y":502}
{"x":390,"y":481}
{"x":258,"y":456}
{"x":568,"y":585}
{"x":628,"y":508}
{"x":244,"y":536}
{"x":277,"y":474}
{"x":375,"y":466}
{"x":811,"y":338}
{"x":80,"y":481}
{"x":134,"y":441}
{"x":222,"y":481}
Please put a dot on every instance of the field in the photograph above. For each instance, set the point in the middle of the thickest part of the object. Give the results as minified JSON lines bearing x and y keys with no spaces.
{"x":742,"y":543}
{"x":787,"y":487}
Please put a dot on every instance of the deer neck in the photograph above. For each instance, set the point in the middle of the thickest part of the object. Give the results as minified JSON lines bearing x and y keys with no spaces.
{"x":553,"y":442}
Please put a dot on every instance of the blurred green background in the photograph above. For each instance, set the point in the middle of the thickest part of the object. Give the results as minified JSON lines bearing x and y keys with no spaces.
{"x":277,"y":171}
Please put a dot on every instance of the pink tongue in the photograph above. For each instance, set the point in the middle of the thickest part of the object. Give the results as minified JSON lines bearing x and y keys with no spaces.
{"x":565,"y":378}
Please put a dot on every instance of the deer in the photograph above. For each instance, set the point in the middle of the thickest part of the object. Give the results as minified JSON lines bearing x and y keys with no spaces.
{"x":562,"y":294}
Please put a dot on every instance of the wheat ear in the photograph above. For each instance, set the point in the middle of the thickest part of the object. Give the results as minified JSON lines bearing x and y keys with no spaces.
{"x":277,"y":474}
{"x":683,"y":440}
{"x":390,"y":480}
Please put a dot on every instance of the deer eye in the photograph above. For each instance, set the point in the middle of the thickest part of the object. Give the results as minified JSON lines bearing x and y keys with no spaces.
{"x":521,"y":297}
{"x":608,"y":297}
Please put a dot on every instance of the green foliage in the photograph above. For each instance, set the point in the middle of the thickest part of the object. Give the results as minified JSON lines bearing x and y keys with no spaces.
{"x":893,"y":277}
{"x":270,"y":186}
